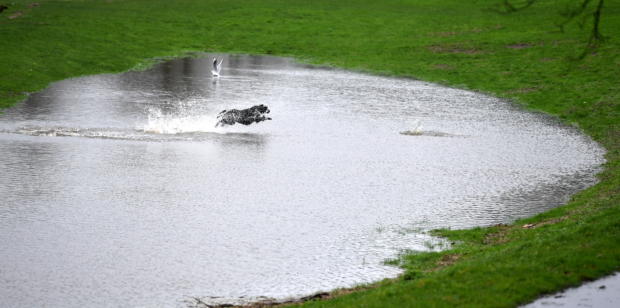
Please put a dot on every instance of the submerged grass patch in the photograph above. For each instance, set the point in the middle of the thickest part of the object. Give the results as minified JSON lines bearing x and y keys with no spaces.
{"x":458,"y":43}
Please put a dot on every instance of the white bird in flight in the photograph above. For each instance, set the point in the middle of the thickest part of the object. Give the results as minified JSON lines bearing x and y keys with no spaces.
{"x":216,"y":68}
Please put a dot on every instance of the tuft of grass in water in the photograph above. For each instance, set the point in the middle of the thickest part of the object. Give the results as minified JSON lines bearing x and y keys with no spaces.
{"x":450,"y":42}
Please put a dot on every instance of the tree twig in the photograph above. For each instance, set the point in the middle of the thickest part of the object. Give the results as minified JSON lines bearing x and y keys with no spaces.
{"x":570,"y":13}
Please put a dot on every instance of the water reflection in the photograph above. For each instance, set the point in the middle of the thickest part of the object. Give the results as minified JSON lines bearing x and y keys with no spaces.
{"x":118,"y":190}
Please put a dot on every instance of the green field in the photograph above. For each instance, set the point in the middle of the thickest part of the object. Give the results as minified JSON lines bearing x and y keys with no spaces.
{"x":457,"y":43}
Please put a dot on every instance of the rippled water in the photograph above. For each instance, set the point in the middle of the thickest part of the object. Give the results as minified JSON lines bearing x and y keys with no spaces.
{"x":602,"y":293}
{"x":117,"y":190}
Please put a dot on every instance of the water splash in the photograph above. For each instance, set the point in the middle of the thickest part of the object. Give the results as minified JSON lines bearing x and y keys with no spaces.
{"x":183,"y":117}
{"x":185,"y":120}
{"x":416,"y":128}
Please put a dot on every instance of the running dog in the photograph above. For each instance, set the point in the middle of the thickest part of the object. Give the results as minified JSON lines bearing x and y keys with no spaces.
{"x":244,"y":116}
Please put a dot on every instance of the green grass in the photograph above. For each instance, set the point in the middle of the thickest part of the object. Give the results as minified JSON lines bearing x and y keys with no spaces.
{"x":453,"y":42}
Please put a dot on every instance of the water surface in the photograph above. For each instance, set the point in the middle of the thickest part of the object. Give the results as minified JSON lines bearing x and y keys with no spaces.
{"x":602,"y":293}
{"x":117,"y":190}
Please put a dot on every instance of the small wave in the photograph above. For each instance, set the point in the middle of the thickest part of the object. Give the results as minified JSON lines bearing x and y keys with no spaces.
{"x":430,"y":133}
{"x":172,"y":124}
{"x":50,"y":132}
{"x":99,"y":133}
{"x":136,"y":134}
{"x":60,"y":131}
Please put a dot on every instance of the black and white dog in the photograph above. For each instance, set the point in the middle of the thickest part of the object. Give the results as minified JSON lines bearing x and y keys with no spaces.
{"x":244,"y":116}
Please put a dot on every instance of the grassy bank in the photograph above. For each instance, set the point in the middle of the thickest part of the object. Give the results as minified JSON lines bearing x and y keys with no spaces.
{"x":453,"y":42}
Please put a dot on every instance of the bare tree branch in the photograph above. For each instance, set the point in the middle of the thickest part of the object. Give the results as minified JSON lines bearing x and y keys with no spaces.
{"x":569,"y":14}
{"x":506,"y":7}
{"x":597,"y":18}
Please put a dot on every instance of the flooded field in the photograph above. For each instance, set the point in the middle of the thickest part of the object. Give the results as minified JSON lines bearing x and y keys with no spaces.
{"x":602,"y":293}
{"x":118,"y":190}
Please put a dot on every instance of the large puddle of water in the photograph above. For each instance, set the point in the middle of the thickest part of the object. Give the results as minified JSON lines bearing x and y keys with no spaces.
{"x":602,"y":293}
{"x":117,"y":190}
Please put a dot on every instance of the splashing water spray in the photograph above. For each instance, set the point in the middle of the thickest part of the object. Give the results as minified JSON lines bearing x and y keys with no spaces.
{"x":416,"y":128}
{"x":183,"y":117}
